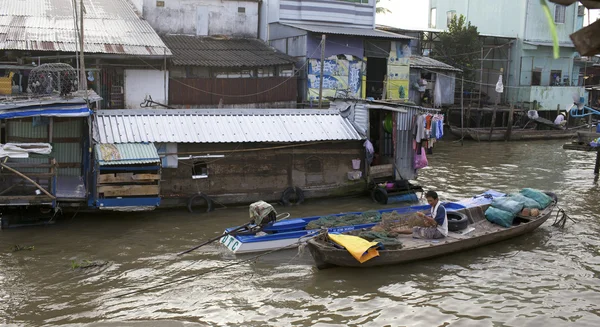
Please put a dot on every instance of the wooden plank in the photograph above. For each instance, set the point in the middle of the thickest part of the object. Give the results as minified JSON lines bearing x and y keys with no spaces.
{"x":127,"y":178}
{"x":586,"y":41}
{"x":32,"y":175}
{"x":28,"y":198}
{"x":381,"y":171}
{"x":27,"y":165}
{"x":129,"y":190}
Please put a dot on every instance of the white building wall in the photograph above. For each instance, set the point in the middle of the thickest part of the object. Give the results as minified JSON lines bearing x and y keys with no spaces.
{"x":140,"y":83}
{"x":204,"y":18}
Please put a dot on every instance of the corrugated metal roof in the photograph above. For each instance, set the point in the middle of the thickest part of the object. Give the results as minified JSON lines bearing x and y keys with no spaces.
{"x":343,"y":30}
{"x":211,"y":52}
{"x":430,"y":63}
{"x":111,"y":26}
{"x":126,"y":154}
{"x":549,"y":43}
{"x":222,"y":126}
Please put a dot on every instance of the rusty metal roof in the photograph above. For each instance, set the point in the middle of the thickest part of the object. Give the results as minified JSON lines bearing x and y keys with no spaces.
{"x":111,"y":26}
{"x":430,"y":63}
{"x":223,"y":52}
{"x":222,"y":126}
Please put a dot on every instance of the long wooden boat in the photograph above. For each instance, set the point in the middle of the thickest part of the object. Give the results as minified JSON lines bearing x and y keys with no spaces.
{"x":517,"y":134}
{"x":326,"y":255}
{"x":289,"y":232}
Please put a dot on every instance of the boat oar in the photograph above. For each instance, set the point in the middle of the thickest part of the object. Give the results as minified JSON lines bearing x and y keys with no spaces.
{"x":214,"y":239}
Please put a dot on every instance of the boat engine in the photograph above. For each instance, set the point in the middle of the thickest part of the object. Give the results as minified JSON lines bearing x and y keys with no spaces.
{"x":262,"y":213}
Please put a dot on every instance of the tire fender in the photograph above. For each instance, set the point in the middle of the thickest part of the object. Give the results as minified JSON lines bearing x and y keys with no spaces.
{"x":287,"y":194}
{"x":457,"y":221}
{"x":206,"y":198}
{"x":379,"y":195}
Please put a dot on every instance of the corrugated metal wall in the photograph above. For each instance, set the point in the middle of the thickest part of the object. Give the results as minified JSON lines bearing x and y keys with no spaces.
{"x":67,"y":149}
{"x":404,"y":143}
{"x":66,"y":141}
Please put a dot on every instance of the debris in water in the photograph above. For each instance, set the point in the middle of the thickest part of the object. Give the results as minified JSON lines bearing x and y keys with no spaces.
{"x":22,"y":248}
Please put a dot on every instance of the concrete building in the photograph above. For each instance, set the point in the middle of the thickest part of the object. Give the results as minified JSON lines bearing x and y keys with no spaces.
{"x":218,"y":56}
{"x":531,"y":73}
{"x":360,"y":61}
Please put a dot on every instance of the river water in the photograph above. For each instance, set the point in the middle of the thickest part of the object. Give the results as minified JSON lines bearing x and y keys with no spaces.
{"x":550,"y":277}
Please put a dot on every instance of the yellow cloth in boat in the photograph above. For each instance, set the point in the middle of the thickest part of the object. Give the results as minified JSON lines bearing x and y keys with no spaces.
{"x":361,"y":249}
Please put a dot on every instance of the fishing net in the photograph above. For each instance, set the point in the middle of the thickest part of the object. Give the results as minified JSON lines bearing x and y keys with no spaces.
{"x":389,"y":226}
{"x":367,"y":217}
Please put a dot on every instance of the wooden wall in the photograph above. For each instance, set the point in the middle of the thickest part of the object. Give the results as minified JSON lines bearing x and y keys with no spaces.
{"x":244,"y":176}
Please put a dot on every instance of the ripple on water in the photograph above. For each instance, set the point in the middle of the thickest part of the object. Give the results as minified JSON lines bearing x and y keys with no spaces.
{"x":550,"y":277}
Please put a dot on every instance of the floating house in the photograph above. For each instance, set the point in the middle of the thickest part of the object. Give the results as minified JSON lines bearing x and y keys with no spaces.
{"x":230,"y":155}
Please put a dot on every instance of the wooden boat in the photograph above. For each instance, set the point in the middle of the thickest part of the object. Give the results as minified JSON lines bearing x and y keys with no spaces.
{"x":517,"y":134}
{"x":483,"y":232}
{"x":290,"y":231}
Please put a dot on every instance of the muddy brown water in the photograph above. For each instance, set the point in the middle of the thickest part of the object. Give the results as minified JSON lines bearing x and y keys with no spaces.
{"x":550,"y":277}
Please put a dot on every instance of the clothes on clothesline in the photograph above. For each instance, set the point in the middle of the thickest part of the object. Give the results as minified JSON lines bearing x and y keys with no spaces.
{"x":427,"y":129}
{"x":428,"y":126}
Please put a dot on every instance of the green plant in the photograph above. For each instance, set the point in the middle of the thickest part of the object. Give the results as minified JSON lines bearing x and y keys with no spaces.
{"x":552,"y":26}
{"x":460,"y":46}
{"x":382,"y":10}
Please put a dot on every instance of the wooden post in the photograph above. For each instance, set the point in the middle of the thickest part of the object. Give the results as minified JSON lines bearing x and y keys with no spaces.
{"x":322,"y":70}
{"x":597,"y":166}
{"x":469,"y":115}
{"x":510,"y":123}
{"x":494,"y":116}
{"x":462,"y":110}
{"x":481,"y":78}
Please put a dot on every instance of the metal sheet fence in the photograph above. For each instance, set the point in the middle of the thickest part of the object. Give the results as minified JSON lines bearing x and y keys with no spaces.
{"x":210,"y":91}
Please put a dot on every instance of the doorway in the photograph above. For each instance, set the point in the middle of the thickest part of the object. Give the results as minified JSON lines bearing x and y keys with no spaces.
{"x":376,"y":72}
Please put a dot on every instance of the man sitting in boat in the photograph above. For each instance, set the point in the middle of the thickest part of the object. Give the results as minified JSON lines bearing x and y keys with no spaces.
{"x":438,"y":221}
{"x":560,"y":119}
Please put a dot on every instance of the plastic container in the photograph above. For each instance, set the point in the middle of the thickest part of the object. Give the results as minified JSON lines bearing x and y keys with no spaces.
{"x":356,"y":164}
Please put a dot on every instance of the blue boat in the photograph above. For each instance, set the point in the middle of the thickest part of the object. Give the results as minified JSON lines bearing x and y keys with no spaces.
{"x":286,"y":233}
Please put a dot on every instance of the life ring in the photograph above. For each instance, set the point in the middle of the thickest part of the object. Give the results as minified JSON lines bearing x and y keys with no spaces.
{"x":209,"y":202}
{"x":379,"y":195}
{"x":553,"y":196}
{"x":292,"y":193}
{"x":457,"y":221}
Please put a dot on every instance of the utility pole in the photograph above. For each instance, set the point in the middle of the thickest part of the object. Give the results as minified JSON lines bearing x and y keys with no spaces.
{"x":323,"y":39}
{"x":82,"y":78}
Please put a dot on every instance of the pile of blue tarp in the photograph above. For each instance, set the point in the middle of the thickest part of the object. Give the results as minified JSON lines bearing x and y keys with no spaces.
{"x":504,"y":210}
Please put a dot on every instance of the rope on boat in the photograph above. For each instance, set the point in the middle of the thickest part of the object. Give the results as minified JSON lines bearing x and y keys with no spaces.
{"x":560,"y":221}
{"x":291,"y":246}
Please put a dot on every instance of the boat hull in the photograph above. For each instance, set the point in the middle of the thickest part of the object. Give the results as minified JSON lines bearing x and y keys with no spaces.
{"x":327,"y":256}
{"x":483,"y":134}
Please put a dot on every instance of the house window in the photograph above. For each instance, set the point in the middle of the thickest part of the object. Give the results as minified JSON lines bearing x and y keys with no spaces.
{"x":160,"y":3}
{"x":266,"y":72}
{"x":199,"y":170}
{"x":536,"y":77}
{"x":559,"y":14}
{"x":433,"y":18}
{"x":449,"y":15}
{"x":555,"y":76}
{"x":241,"y":10}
